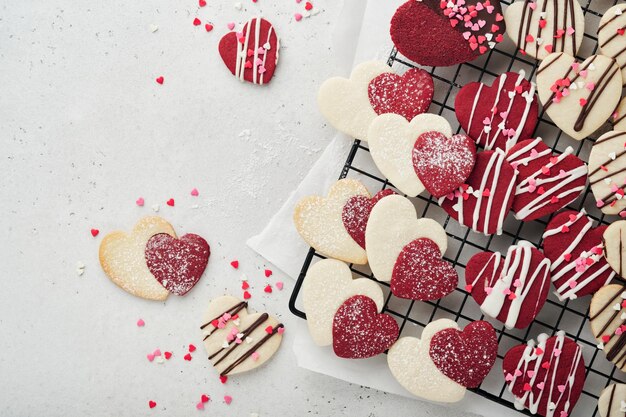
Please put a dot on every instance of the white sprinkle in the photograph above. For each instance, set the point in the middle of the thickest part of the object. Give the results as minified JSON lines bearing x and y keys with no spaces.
{"x":612,"y":156}
{"x":155,"y":208}
{"x":617,"y":307}
{"x":238,"y":6}
{"x":225,"y":345}
{"x":600,"y":345}
{"x":153,"y":28}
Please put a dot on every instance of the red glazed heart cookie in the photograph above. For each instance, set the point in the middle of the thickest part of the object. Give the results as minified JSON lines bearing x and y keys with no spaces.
{"x":467,"y":356}
{"x":443,"y":163}
{"x":484,"y":201}
{"x":545,"y":182}
{"x":499,"y":115}
{"x":360,"y":332}
{"x":252,"y":54}
{"x":177,"y":264}
{"x":408,"y":95}
{"x":575,"y":249}
{"x":357,"y":211}
{"x":443,"y":33}
{"x":512,"y":290}
{"x":421,"y":274}
{"x":546,"y":377}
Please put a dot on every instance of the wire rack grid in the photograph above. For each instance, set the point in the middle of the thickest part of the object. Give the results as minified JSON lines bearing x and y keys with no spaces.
{"x":570,"y":316}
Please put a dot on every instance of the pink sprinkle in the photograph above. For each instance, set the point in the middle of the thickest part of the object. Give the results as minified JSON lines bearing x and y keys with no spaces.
{"x":279,"y":285}
{"x":228,"y":399}
{"x":540,"y":385}
{"x":583,"y":73}
{"x":157,"y":352}
{"x":572,"y":283}
{"x":557,"y":352}
{"x":195,"y":192}
{"x":488,"y":290}
{"x":599,"y":203}
{"x":141,"y":323}
{"x":150,"y":356}
{"x":575,"y":66}
{"x":532,"y":5}
{"x":200,"y":406}
{"x":561,"y":388}
{"x":508,"y":378}
{"x":298,"y":17}
{"x":231,"y":25}
{"x":486,"y":121}
{"x":563,"y":414}
{"x":255,"y":356}
{"x":590,"y":86}
{"x":570,"y":31}
{"x":518,"y":372}
{"x":517,"y":283}
{"x":140,"y":202}
{"x":530,"y":373}
{"x":281,"y":330}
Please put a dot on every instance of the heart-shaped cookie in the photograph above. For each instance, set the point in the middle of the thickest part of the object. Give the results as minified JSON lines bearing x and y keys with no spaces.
{"x":614,"y":243}
{"x":612,"y":401}
{"x":484,"y":201}
{"x":319,"y":222}
{"x":619,"y":116}
{"x":391,"y":139}
{"x":607,"y":315}
{"x":438,"y":33}
{"x":392,"y":225}
{"x":345,"y":102}
{"x":575,"y":249}
{"x":579,"y":97}
{"x":611,"y":36}
{"x":420,"y":274}
{"x":513,"y":289}
{"x":541,"y":27}
{"x":465,"y":356}
{"x":359,"y":331}
{"x":607,"y":173}
{"x":177,"y":264}
{"x":356,"y":213}
{"x":237,"y":341}
{"x":546,"y":377}
{"x":408,"y":94}
{"x":327,"y":284}
{"x":545,"y":182}
{"x":499,"y":115}
{"x":443,"y":163}
{"x":122,"y":257}
{"x":411,"y":365}
{"x":252,"y":54}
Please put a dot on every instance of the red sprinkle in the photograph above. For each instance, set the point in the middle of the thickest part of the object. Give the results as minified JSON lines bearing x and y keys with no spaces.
{"x":188,"y":357}
{"x":204,"y":398}
{"x":583,"y":101}
{"x":308,"y":6}
{"x":94,"y":232}
{"x":192,"y":348}
{"x":527,"y":387}
{"x":246,"y":295}
{"x":167,"y":355}
{"x":606,"y":338}
{"x":151,"y":404}
{"x":160,"y":80}
{"x":196,"y":22}
{"x":235,"y":264}
{"x":208,"y":27}
{"x":269,"y":329}
{"x":545,"y":365}
{"x":170,"y":202}
{"x":202,"y":3}
{"x":223,"y":379}
{"x":268,"y":273}
{"x":268,"y":288}
{"x":245,"y":285}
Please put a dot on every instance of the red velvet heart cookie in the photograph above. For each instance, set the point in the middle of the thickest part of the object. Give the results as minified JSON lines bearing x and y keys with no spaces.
{"x":546,"y":377}
{"x":408,"y":95}
{"x":465,"y":356}
{"x":575,"y":249}
{"x":357,"y":211}
{"x":497,"y":116}
{"x":360,"y":332}
{"x":483,"y":202}
{"x":420,"y":274}
{"x":177,"y":264}
{"x":252,"y":54}
{"x":545,"y":182}
{"x":443,"y":163}
{"x":443,"y":33}
{"x":512,"y":290}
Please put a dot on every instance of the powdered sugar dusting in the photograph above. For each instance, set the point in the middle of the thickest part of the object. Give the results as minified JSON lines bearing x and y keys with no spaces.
{"x":408,"y":95}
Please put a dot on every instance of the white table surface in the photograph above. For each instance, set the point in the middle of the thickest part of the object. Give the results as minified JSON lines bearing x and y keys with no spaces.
{"x":84,"y":132}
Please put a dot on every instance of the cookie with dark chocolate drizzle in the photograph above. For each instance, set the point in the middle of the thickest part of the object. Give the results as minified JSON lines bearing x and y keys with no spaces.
{"x":607,"y":315}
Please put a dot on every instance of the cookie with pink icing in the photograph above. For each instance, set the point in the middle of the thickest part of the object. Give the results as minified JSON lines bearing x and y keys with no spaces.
{"x":545,"y":182}
{"x":574,"y":247}
{"x":512,"y":289}
{"x":499,"y":115}
{"x":545,"y":377}
{"x":252,"y":54}
{"x":485,"y":199}
{"x":607,"y":172}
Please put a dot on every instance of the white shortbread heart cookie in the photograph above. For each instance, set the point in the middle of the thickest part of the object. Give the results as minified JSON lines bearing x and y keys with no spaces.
{"x":326,"y":286}
{"x":392,"y":225}
{"x":531,"y":26}
{"x":611,"y":37}
{"x":614,"y":242}
{"x":319,"y":222}
{"x":410,"y":363}
{"x":238,"y":344}
{"x":607,"y":315}
{"x":345,"y":101}
{"x":612,"y":401}
{"x":607,"y":174}
{"x":123,"y":258}
{"x":594,"y":90}
{"x":391,"y":140}
{"x":619,"y":116}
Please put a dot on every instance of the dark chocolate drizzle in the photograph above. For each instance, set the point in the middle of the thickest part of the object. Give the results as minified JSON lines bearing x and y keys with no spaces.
{"x":617,"y":352}
{"x":232,"y":311}
{"x":567,"y":12}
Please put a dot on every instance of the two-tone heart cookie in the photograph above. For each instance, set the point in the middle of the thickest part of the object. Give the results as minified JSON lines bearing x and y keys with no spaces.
{"x":391,"y":140}
{"x":512,"y":289}
{"x":499,"y":115}
{"x":545,"y":182}
{"x":546,"y":377}
{"x":326,"y":286}
{"x":356,"y":213}
{"x":252,"y":54}
{"x":443,"y":33}
{"x":579,"y":96}
{"x":541,"y":27}
{"x":607,"y":315}
{"x":237,"y":341}
{"x":611,"y":36}
{"x":607,"y":172}
{"x":575,"y":249}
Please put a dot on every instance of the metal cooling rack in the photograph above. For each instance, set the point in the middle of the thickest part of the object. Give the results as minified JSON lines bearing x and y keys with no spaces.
{"x":412,"y":316}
